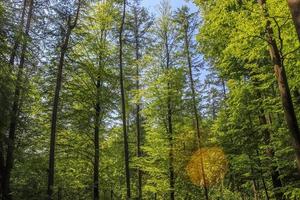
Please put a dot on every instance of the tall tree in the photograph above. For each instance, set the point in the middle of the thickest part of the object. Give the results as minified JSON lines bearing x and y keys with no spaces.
{"x":283,"y":85}
{"x":71,"y":24}
{"x":139,"y":25}
{"x":165,"y":31}
{"x":16,"y":100}
{"x":189,"y":24}
{"x":123,"y":102}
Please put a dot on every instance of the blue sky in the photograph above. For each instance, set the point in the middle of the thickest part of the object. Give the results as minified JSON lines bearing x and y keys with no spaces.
{"x":153,"y":4}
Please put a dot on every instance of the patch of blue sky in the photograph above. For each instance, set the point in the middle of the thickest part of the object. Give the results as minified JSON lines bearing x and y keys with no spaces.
{"x":153,"y":5}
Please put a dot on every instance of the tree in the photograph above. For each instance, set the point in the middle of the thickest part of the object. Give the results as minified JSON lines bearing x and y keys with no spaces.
{"x":283,"y":85}
{"x":146,"y":106}
{"x":139,"y":23}
{"x":165,"y":31}
{"x":188,"y":28}
{"x":125,"y":134}
{"x":14,"y":115}
{"x":71,"y":24}
{"x":241,"y":57}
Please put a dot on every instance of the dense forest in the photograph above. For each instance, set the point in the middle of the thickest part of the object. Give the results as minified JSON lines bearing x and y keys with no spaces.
{"x":109,"y":100}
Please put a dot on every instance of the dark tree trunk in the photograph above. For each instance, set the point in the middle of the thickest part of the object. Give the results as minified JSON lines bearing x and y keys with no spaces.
{"x":283,"y":86}
{"x":15,"y":109}
{"x":255,"y":190}
{"x":270,"y":153}
{"x":265,"y":187}
{"x":54,"y":114}
{"x":138,"y":109}
{"x":11,"y":62}
{"x":59,"y":194}
{"x":1,"y":165}
{"x":294,"y":6}
{"x":125,"y":134}
{"x":96,"y":144}
{"x":171,"y":153}
{"x":192,"y":87}
{"x":97,"y":126}
{"x":170,"y":126}
{"x":60,"y":66}
{"x":262,"y":176}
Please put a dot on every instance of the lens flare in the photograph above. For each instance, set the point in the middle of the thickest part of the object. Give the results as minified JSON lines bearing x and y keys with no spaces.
{"x":207,"y":166}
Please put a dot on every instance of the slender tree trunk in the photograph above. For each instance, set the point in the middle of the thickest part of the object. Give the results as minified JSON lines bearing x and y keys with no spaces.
{"x":96,"y":144}
{"x":294,"y":6}
{"x":138,"y":109}
{"x":284,"y":89}
{"x":54,"y":114}
{"x":59,"y":194}
{"x":270,"y":153}
{"x":265,"y":187}
{"x":171,"y":153}
{"x":195,"y":110}
{"x":11,"y":62}
{"x":170,"y":127}
{"x":277,"y":185}
{"x":60,"y":66}
{"x":262,"y":177}
{"x":254,"y":184}
{"x":255,"y":190}
{"x":15,"y":109}
{"x":97,"y":126}
{"x":125,"y":134}
{"x":1,"y":165}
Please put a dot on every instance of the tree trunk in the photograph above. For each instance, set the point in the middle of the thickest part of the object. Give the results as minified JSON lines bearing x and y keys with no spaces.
{"x":170,"y":127}
{"x":262,"y":176}
{"x":54,"y":114}
{"x":294,"y":6}
{"x":138,"y":109}
{"x":265,"y":187}
{"x":255,"y":190}
{"x":284,"y":89}
{"x":171,"y":153}
{"x":96,"y":144}
{"x":11,"y":62}
{"x":59,"y":194}
{"x":97,"y":126}
{"x":195,"y":110}
{"x":125,"y":134}
{"x":270,"y":153}
{"x":1,"y":166}
{"x":15,"y":109}
{"x":60,"y":66}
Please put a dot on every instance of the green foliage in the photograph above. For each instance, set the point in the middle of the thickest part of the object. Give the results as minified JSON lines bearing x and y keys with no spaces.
{"x":236,"y":97}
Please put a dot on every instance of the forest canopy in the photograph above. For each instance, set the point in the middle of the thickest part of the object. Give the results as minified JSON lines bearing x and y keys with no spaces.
{"x":110,"y":99}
